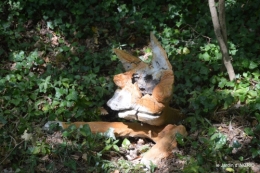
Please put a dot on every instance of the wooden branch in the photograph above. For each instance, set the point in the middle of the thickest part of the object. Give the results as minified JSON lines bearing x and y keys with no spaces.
{"x":222,"y":20}
{"x":221,"y":39}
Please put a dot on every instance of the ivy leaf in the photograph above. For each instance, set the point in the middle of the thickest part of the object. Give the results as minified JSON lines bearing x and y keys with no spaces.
{"x":85,"y":130}
{"x":255,"y":152}
{"x":2,"y":120}
{"x":253,"y":65}
{"x":205,"y":56}
{"x":50,"y":25}
{"x":222,"y":83}
{"x":16,"y":101}
{"x":236,"y":144}
{"x":44,"y":85}
{"x":249,"y":131}
{"x":211,"y":130}
{"x":245,"y":63}
{"x":60,"y":91}
{"x":204,"y":70}
{"x":179,"y":139}
{"x":252,"y":93}
{"x":73,"y":95}
{"x":220,"y":140}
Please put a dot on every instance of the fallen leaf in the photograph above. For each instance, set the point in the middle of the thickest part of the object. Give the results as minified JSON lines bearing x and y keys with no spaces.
{"x":103,"y":111}
{"x":85,"y":157}
{"x":26,"y":136}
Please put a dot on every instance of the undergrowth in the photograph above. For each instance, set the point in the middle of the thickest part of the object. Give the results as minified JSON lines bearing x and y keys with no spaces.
{"x":57,"y":64}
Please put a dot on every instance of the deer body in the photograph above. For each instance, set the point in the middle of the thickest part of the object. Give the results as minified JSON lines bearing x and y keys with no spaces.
{"x":143,"y":94}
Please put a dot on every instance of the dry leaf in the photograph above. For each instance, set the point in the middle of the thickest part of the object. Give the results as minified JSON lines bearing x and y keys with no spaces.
{"x":54,"y":40}
{"x":103,"y":111}
{"x":26,"y":136}
{"x":85,"y":157}
{"x":95,"y":39}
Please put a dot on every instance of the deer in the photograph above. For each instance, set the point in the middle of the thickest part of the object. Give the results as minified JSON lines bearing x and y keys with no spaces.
{"x":143,"y":94}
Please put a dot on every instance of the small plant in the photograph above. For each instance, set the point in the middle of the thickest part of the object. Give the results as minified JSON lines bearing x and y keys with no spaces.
{"x":56,"y":63}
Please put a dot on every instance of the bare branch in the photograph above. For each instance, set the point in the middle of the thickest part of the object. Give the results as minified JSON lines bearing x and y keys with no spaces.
{"x":222,"y":19}
{"x":221,"y":39}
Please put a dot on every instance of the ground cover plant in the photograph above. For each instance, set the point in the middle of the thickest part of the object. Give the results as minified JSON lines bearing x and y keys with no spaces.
{"x":56,"y":63}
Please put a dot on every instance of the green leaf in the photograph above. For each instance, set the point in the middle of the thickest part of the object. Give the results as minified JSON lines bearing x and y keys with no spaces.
{"x":257,"y":115}
{"x":50,"y":25}
{"x":252,"y":93}
{"x":2,"y":120}
{"x":116,"y":147}
{"x":185,"y":51}
{"x":73,"y":95}
{"x":69,"y":104}
{"x":220,"y":140}
{"x":230,"y":84}
{"x":241,"y":158}
{"x":85,"y":130}
{"x":65,"y":134}
{"x":252,"y":65}
{"x":236,"y":144}
{"x":60,"y":91}
{"x":126,"y":143}
{"x":242,"y":90}
{"x":16,"y":101}
{"x":211,"y":130}
{"x":214,"y":136}
{"x":46,"y":107}
{"x":33,"y":96}
{"x":249,"y":131}
{"x":205,"y":56}
{"x":36,"y":150}
{"x":204,"y":70}
{"x":194,"y":144}
{"x":230,"y":170}
{"x":255,"y":152}
{"x":222,"y":82}
{"x":179,"y":139}
{"x":115,"y":142}
{"x":245,"y":63}
{"x":44,"y":85}
{"x":107,"y":147}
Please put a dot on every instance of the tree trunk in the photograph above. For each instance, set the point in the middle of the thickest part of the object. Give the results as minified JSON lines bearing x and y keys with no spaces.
{"x":221,"y":34}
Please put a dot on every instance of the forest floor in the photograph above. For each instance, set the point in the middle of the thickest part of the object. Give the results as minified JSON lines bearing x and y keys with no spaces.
{"x":231,"y":126}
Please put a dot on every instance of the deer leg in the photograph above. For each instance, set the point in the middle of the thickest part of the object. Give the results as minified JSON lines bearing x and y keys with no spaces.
{"x":163,"y":136}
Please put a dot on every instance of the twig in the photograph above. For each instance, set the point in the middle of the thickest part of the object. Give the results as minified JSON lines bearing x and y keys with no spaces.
{"x":208,"y":38}
{"x":11,"y":151}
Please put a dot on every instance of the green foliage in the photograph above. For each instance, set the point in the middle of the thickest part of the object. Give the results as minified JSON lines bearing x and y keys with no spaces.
{"x":50,"y":68}
{"x":209,"y":149}
{"x":110,"y":144}
{"x":123,"y":166}
{"x":125,"y":143}
{"x":58,"y":95}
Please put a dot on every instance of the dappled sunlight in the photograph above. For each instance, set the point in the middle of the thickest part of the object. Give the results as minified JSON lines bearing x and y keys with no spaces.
{"x":57,"y":64}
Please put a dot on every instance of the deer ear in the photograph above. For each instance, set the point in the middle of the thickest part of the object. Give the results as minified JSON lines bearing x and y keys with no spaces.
{"x":160,"y":60}
{"x":129,"y":61}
